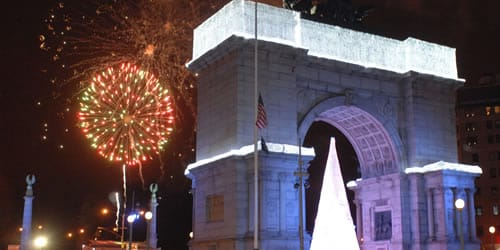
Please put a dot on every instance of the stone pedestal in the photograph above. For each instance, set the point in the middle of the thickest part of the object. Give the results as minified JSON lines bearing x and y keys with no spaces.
{"x":223,"y":200}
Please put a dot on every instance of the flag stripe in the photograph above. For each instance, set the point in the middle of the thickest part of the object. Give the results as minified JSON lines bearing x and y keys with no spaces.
{"x":261,"y":114}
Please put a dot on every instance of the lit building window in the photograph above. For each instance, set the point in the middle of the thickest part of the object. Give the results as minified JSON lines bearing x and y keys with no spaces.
{"x":470,"y":127}
{"x":471,"y":140}
{"x":497,"y":109}
{"x":495,"y":209}
{"x":487,"y":110}
{"x":479,"y":211}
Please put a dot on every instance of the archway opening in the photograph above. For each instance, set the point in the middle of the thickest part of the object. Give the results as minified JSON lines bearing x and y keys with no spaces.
{"x":318,"y":136}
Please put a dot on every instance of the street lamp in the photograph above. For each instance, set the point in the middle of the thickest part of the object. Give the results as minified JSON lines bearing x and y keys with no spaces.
{"x":130,"y":219}
{"x":40,"y":242}
{"x":104,"y":211}
{"x":459,"y":204}
{"x":148,"y":216}
{"x":492,"y":232}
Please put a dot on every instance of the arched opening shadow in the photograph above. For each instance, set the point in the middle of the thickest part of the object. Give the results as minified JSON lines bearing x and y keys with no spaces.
{"x":318,"y":136}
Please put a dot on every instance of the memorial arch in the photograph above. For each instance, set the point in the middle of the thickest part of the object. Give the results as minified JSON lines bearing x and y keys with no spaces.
{"x":393,"y":101}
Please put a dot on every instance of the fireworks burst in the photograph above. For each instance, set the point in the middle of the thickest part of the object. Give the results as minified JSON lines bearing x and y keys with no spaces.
{"x":156,"y":35}
{"x":126,"y":114}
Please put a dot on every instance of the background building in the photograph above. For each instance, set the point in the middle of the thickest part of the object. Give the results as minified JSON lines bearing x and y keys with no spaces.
{"x":478,"y":127}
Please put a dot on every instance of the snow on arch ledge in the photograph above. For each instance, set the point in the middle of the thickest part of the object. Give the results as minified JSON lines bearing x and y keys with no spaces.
{"x":248,"y":149}
{"x":283,"y":26}
{"x":442,"y":165}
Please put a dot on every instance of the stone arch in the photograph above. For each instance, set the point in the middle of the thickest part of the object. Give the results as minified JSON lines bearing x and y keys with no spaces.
{"x":373,"y":144}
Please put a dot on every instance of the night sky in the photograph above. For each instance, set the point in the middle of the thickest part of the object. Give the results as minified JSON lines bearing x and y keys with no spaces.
{"x":74,"y":182}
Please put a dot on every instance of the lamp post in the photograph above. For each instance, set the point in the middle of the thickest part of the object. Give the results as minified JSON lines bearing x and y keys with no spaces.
{"x":130,"y":219}
{"x":301,"y":173}
{"x":492,"y":232}
{"x":459,"y":204}
{"x":148,"y":216}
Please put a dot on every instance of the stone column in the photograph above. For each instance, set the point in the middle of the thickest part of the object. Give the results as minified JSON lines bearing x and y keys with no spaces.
{"x":470,"y":214}
{"x":455,"y":215}
{"x":152,"y":236}
{"x":359,"y":220}
{"x":461,"y":216}
{"x":415,"y":224}
{"x":439,"y":208}
{"x":430,"y":214}
{"x":27,"y":214}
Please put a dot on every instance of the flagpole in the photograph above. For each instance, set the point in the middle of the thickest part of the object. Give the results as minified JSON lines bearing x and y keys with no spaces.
{"x":256,"y":153}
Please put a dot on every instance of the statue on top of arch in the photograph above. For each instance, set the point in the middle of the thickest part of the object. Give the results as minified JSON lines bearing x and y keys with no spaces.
{"x":336,"y":12}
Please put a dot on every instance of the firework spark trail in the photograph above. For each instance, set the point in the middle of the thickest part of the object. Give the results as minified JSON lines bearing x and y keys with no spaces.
{"x":117,"y":201}
{"x":141,"y":175}
{"x":124,"y":173}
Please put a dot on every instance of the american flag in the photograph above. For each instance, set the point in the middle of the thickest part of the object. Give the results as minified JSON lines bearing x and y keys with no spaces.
{"x":261,"y":114}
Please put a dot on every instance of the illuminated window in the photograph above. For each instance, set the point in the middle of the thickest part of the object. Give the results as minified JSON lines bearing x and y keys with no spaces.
{"x":470,"y":127}
{"x":495,"y":209}
{"x":487,"y":110}
{"x":471,"y":140}
{"x":497,"y":109}
{"x":479,"y":211}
